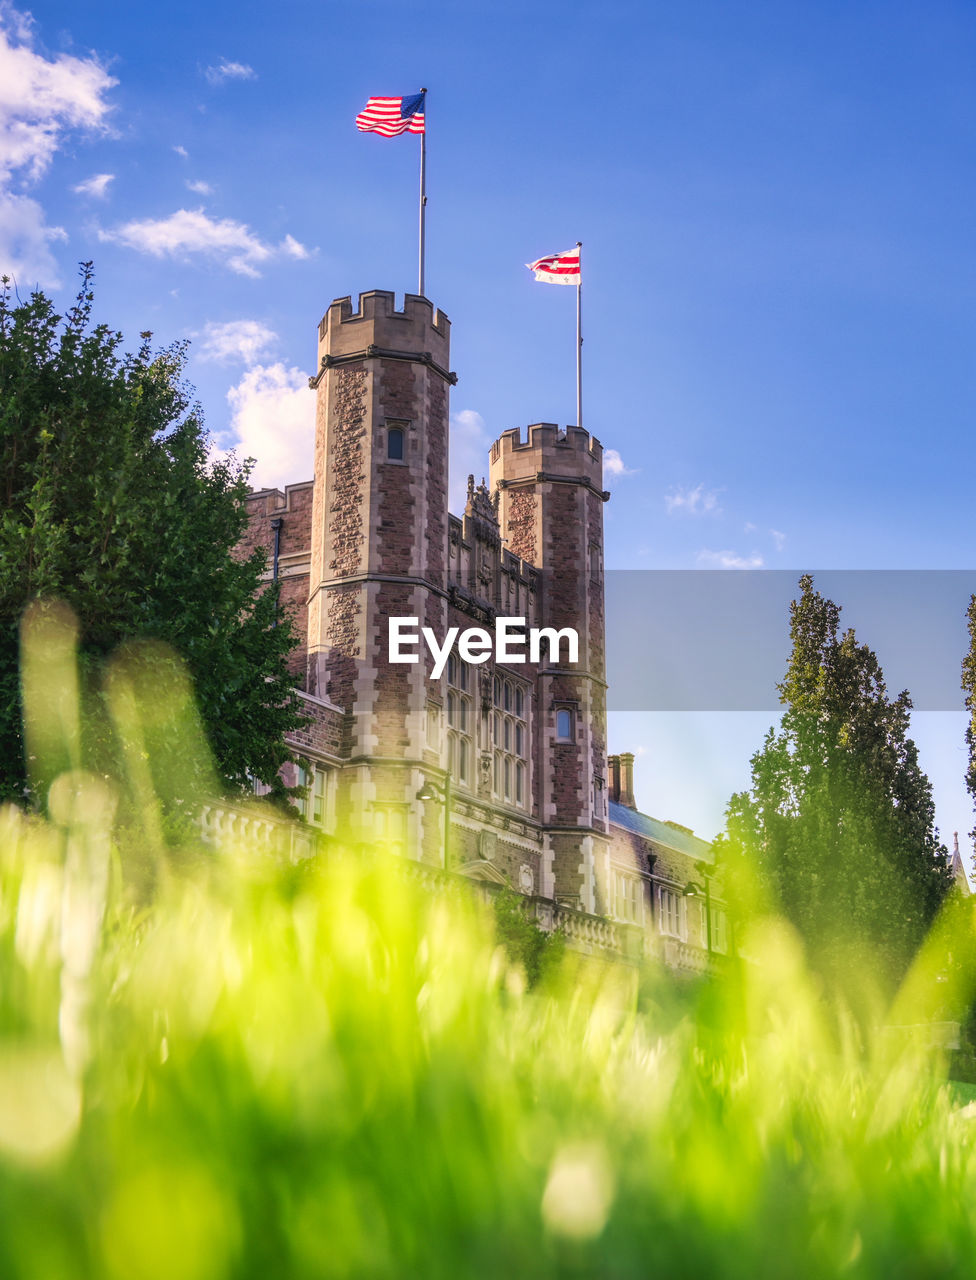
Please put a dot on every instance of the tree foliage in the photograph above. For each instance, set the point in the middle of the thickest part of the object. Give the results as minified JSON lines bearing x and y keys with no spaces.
{"x":839,"y":819}
{"x":969,"y":685}
{"x":111,"y":504}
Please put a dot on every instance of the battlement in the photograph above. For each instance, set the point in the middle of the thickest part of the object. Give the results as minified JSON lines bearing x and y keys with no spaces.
{"x":418,"y":328}
{"x":548,"y":449}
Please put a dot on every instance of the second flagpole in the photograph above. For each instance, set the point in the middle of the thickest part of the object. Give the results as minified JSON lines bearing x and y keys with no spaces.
{"x":579,"y":339}
{"x":423,"y":196}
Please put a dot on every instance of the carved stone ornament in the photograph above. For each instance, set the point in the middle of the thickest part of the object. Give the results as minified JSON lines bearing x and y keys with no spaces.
{"x":526,"y":878}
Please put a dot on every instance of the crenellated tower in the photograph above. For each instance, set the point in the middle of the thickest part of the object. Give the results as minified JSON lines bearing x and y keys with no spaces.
{"x":551,"y":498}
{"x":379,"y":528}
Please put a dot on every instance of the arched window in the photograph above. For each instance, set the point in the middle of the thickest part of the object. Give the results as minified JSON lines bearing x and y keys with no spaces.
{"x":394,"y":444}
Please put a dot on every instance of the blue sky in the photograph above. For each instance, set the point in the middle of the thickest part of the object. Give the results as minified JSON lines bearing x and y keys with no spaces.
{"x":776,"y":207}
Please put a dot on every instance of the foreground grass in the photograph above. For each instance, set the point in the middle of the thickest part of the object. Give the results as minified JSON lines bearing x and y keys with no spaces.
{"x":274,"y":1071}
{"x":281,"y":1072}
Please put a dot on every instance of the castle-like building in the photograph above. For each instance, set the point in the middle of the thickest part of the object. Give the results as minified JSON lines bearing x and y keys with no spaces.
{"x":497,"y":771}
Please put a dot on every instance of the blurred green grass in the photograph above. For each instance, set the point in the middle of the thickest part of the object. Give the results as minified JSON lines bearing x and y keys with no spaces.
{"x":321,"y":1070}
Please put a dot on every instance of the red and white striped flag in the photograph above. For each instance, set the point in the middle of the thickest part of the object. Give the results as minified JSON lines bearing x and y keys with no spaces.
{"x":558,"y":268}
{"x":391,"y":116}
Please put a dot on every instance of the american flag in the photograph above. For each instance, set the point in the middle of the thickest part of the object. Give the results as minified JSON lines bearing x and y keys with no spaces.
{"x":391,"y":116}
{"x":558,"y":268}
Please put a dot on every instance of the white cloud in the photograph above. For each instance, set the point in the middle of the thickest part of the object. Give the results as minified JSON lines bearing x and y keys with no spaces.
{"x":199,"y":187}
{"x":181,"y":151}
{"x":274,"y":423}
{"x":779,"y":539}
{"x":293,"y":249}
{"x":41,"y":98}
{"x":613,"y":465}
{"x":729,"y":560}
{"x":693,"y":502}
{"x":225,"y":70}
{"x":470,"y":443}
{"x":242,"y":340}
{"x":95,"y":186}
{"x":749,"y":527}
{"x":25,"y":240}
{"x":191,"y":231}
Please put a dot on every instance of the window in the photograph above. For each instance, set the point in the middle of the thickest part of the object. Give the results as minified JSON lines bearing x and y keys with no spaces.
{"x":628,"y":898}
{"x":720,"y":940}
{"x":596,"y":563}
{"x":461,"y":718}
{"x":510,"y":740}
{"x":598,"y":798}
{"x":564,"y":726}
{"x":314,"y":806}
{"x":671,"y":913}
{"x":390,"y":826}
{"x":394,"y":444}
{"x":433,"y":727}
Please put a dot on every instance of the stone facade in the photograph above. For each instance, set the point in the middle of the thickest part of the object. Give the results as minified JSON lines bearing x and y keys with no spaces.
{"x":515,"y":752}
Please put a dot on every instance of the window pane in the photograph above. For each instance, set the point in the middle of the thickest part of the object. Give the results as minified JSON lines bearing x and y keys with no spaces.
{"x":394,"y":444}
{"x":564,"y":725}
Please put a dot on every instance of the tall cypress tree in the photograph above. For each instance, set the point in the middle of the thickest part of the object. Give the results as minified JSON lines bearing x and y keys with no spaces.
{"x":111,"y":503}
{"x":839,"y":818}
{"x":969,"y":685}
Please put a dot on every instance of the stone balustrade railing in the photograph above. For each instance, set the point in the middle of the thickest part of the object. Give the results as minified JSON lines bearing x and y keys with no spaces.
{"x":240,"y":826}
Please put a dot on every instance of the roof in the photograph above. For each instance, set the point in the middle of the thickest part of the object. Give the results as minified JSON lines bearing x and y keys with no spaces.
{"x":660,"y":832}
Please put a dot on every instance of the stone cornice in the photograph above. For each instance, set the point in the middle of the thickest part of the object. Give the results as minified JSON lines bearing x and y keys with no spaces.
{"x":551,"y":477}
{"x":373,"y":352}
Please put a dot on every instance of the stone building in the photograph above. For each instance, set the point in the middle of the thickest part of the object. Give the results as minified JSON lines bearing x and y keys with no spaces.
{"x":497,"y":771}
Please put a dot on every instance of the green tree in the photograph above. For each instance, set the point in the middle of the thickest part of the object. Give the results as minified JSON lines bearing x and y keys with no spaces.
{"x":969,"y":685}
{"x":111,"y":503}
{"x":838,"y":823}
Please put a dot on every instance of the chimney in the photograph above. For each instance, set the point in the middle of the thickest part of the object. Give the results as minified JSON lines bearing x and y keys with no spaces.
{"x":626,"y":791}
{"x":613,"y":763}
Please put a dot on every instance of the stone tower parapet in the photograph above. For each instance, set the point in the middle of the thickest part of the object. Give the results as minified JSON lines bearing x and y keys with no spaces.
{"x":419,"y":329}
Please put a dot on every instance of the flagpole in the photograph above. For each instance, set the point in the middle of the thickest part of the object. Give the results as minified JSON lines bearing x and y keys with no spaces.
{"x":579,"y":339}
{"x":423,"y":195}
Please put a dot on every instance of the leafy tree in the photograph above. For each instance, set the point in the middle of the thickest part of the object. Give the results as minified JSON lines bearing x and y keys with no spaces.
{"x":111,"y":503}
{"x":969,"y":685}
{"x":838,"y":823}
